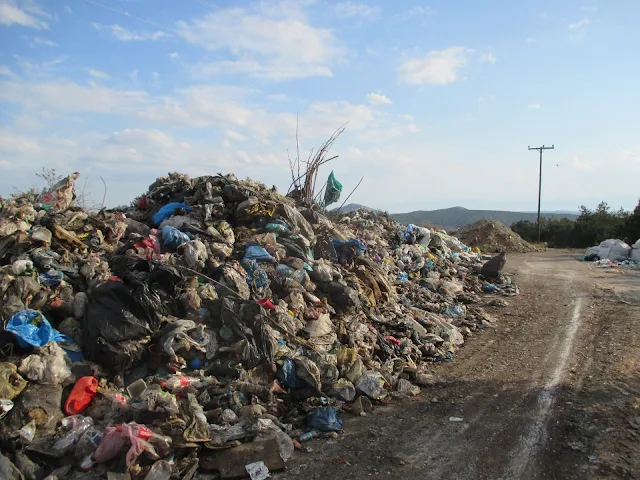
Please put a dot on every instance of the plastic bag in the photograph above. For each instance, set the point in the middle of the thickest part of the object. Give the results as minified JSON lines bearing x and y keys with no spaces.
{"x":173,"y":238}
{"x":31,"y":328}
{"x":83,"y":392}
{"x":343,"y":390}
{"x":295,"y":218}
{"x":11,"y":383}
{"x":405,"y":387}
{"x":117,"y":322}
{"x":277,"y":228}
{"x":371,"y":384}
{"x":286,"y":373}
{"x":322,"y":271}
{"x":76,"y":426}
{"x":326,"y":419}
{"x":355,"y":246}
{"x":257,"y":253}
{"x":48,"y":365}
{"x":332,"y":191}
{"x":614,"y":250}
{"x":167,"y":211}
{"x":61,"y":195}
{"x":198,"y":430}
{"x":110,"y":446}
{"x":115,"y":438}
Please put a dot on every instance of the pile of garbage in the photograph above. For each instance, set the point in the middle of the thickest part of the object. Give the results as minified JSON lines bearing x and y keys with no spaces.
{"x":614,"y":250}
{"x":214,"y":326}
{"x":491,"y":236}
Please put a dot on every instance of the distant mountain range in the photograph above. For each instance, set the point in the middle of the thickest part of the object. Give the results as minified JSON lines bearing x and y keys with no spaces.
{"x":457,"y":217}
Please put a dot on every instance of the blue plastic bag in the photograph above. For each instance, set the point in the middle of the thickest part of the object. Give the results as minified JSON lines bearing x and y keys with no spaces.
{"x":403,"y":277}
{"x":31,"y":328}
{"x":256,"y":276}
{"x":52,"y":278}
{"x":325,"y":419}
{"x":410,"y":229}
{"x":490,"y":288}
{"x":457,"y":310}
{"x":286,"y":374}
{"x":284,"y":271}
{"x":357,"y":245}
{"x":172,"y":237}
{"x":167,"y":211}
{"x":257,"y":253}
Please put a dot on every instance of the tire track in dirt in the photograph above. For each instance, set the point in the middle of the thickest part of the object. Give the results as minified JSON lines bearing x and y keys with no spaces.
{"x":536,"y":435}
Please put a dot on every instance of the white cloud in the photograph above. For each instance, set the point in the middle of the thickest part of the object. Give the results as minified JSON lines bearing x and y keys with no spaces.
{"x":582,"y":23}
{"x":233,"y":135}
{"x":414,"y":12}
{"x":438,"y":67}
{"x":174,"y":55}
{"x":578,"y":30}
{"x":99,"y":74}
{"x":4,"y":70}
{"x":533,"y":106}
{"x":386,"y":134}
{"x":421,"y":10}
{"x":579,"y":165}
{"x":10,"y":143}
{"x":44,"y":41}
{"x":488,"y":58}
{"x":125,"y":35}
{"x":134,"y":137}
{"x":68,"y":10}
{"x":530,"y":40}
{"x":630,"y":155}
{"x":273,"y":41}
{"x":589,"y":8}
{"x":232,"y":109}
{"x":353,"y":9}
{"x":26,"y":15}
{"x":378,"y":99}
{"x":71,"y":97}
{"x":322,"y":118}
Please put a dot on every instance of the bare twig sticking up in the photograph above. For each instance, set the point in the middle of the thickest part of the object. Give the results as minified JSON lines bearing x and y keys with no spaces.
{"x":304,"y":183}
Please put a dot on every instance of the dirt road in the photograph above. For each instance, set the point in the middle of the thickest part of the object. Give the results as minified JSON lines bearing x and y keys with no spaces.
{"x":552,"y":392}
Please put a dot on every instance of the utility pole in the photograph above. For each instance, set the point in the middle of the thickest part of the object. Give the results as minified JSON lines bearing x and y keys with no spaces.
{"x":540,"y":182}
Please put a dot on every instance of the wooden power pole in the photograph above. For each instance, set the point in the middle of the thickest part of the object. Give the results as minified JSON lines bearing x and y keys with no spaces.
{"x":540,"y":149}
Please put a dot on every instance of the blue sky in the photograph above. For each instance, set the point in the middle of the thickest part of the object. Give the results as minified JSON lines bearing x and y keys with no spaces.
{"x":441,"y":98}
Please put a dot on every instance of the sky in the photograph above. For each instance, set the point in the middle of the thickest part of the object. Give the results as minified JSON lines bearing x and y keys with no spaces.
{"x":440,"y":99}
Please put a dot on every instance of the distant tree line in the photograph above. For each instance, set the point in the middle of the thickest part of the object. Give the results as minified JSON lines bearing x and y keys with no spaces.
{"x":589,"y":229}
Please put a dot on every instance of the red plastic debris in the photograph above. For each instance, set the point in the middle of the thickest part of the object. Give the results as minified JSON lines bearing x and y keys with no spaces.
{"x":266,"y":303}
{"x":84,"y":391}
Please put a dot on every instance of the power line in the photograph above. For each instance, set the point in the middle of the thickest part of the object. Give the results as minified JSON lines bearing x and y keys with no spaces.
{"x":127,"y":14}
{"x":540,"y":149}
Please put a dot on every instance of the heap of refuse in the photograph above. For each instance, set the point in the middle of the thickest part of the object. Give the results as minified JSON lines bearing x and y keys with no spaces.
{"x":214,"y":326}
{"x":614,"y":250}
{"x":492,"y":236}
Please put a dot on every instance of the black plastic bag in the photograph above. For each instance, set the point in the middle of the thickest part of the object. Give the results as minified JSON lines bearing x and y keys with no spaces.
{"x":118,"y":322}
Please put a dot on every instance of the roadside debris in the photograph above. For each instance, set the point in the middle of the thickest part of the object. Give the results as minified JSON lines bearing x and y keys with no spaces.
{"x":614,"y":253}
{"x":210,"y":325}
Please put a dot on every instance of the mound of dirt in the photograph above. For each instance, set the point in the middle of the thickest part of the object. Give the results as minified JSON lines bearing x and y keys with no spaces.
{"x":491,"y":236}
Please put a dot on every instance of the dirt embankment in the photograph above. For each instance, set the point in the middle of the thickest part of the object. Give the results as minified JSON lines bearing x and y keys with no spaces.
{"x":491,"y":236}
